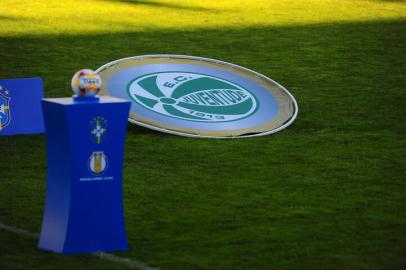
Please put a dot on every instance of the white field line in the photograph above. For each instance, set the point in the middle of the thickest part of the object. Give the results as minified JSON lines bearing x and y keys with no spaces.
{"x":105,"y":256}
{"x":18,"y":231}
{"x":125,"y":261}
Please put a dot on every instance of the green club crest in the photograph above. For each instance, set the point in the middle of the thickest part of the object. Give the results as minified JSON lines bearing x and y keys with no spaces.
{"x":192,"y":96}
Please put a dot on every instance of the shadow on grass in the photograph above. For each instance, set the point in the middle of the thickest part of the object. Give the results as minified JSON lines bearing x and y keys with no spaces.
{"x":333,"y":192}
{"x":165,"y":5}
{"x":351,"y":71}
{"x":139,"y":130}
{"x":10,"y":18}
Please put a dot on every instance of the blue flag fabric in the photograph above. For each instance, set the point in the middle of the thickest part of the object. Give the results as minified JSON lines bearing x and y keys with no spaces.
{"x":20,"y":106}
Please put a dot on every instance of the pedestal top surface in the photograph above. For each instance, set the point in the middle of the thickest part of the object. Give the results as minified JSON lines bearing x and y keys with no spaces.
{"x":70,"y":101}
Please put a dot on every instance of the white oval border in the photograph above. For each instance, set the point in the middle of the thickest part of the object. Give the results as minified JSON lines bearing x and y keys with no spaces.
{"x":288,"y":123}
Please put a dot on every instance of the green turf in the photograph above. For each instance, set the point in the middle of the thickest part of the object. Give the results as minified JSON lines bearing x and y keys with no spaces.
{"x":329,"y":192}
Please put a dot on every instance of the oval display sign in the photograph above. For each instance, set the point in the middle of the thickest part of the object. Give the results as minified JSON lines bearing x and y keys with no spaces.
{"x":198,"y":97}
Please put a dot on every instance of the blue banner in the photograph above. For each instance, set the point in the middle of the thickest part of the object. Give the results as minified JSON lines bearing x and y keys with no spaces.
{"x":20,"y":106}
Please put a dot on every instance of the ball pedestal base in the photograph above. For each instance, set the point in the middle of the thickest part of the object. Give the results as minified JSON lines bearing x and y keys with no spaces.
{"x":85,"y":150}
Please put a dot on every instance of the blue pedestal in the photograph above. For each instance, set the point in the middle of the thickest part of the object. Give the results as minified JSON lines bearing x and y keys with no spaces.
{"x":85,"y":150}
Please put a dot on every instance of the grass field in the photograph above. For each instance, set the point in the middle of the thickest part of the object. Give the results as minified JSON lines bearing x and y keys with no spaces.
{"x":329,"y":192}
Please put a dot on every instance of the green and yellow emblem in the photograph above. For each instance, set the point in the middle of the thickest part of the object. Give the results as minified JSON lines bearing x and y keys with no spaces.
{"x":98,"y":129}
{"x":193,"y":96}
{"x":5,"y":115}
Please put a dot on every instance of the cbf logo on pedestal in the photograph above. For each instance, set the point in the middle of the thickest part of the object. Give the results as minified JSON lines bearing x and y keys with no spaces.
{"x":98,"y":129}
{"x":193,"y":96}
{"x":97,"y":163}
{"x":5,"y":116}
{"x":98,"y":160}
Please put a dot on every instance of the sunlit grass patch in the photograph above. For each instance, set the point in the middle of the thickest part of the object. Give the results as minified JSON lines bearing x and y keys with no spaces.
{"x":95,"y":16}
